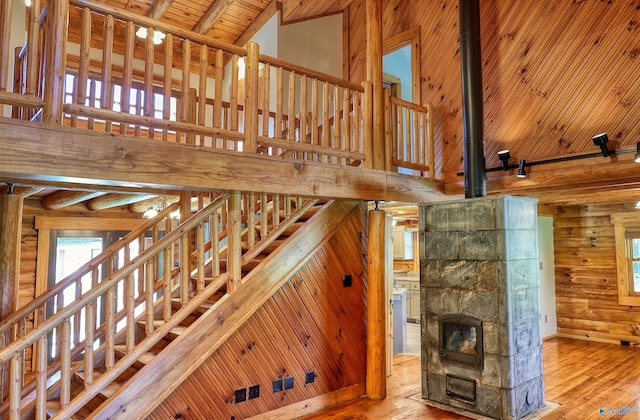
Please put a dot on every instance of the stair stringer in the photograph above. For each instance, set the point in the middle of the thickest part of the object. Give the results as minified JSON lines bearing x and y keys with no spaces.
{"x":158,"y":379}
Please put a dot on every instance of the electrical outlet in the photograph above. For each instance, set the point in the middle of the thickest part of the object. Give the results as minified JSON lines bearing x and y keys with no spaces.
{"x":288,"y":382}
{"x":240,"y":395}
{"x":309,"y":377}
{"x":254,"y":391}
{"x":278,"y":385}
{"x":347,"y":280}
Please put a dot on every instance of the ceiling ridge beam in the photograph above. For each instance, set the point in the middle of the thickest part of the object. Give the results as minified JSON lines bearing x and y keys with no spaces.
{"x":160,"y":7}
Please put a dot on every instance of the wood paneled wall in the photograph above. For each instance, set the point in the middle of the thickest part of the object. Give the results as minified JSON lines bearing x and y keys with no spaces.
{"x":313,"y":323}
{"x":553,"y":74}
{"x":586,"y":278}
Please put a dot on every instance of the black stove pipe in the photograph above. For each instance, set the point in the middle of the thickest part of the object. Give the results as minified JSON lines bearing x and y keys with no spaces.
{"x":475,"y":184}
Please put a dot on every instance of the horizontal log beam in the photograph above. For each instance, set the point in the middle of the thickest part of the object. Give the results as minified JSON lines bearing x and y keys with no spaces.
{"x":69,"y":156}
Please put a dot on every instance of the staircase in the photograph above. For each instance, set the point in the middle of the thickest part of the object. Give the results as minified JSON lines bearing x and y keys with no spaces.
{"x":152,"y":319}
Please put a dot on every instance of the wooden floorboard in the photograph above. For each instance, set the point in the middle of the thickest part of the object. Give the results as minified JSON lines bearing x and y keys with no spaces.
{"x":582,"y":376}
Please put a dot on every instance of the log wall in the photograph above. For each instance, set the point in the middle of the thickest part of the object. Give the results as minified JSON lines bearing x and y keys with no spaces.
{"x":313,"y":323}
{"x":586,"y":277}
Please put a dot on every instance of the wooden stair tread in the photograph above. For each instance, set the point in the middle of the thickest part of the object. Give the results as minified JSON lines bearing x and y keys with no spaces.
{"x":107,"y":391}
{"x":53,"y":407}
{"x":144,"y":358}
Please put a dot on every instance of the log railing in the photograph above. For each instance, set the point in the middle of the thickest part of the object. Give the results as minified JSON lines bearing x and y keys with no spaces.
{"x":187,"y":263}
{"x":99,"y":75}
{"x":411,"y":136}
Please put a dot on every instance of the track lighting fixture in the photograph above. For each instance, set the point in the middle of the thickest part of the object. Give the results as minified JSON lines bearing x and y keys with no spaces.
{"x":522,"y":172}
{"x":601,"y":140}
{"x":638,"y":152}
{"x":504,"y":156}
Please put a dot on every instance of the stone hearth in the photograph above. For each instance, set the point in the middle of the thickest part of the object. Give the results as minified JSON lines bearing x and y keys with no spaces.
{"x":479,"y":259}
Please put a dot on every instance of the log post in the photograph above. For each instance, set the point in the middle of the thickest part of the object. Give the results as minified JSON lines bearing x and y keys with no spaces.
{"x":367,"y":125}
{"x":234,"y":247}
{"x":10,"y":231}
{"x":5,"y":42}
{"x":56,"y":54}
{"x":251,"y":98}
{"x":374,"y":75}
{"x":376,"y":382}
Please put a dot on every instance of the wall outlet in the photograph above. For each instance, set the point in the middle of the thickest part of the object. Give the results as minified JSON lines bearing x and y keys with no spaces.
{"x":288,"y":382}
{"x":240,"y":395}
{"x":347,"y":281}
{"x":254,"y":391}
{"x":278,"y":385}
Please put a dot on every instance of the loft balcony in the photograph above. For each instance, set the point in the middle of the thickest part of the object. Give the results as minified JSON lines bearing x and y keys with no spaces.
{"x":93,"y":104}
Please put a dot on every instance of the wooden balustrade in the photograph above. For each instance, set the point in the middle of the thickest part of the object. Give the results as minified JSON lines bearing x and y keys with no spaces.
{"x":198,"y":91}
{"x":136,"y":290}
{"x":411,"y":134}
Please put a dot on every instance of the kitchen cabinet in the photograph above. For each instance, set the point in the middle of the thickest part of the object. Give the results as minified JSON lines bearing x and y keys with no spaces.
{"x":412,"y":284}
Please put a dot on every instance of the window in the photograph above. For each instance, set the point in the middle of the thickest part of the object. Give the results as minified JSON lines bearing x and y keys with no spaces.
{"x":627,"y":239}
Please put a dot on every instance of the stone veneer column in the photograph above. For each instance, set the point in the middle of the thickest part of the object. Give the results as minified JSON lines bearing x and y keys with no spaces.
{"x":479,"y":257}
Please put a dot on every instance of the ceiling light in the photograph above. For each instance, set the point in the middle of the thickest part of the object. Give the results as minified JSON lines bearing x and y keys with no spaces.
{"x":504,"y":156}
{"x":638,"y":152}
{"x":157,"y":35}
{"x":27,"y":3}
{"x":521,"y":171}
{"x":601,"y":140}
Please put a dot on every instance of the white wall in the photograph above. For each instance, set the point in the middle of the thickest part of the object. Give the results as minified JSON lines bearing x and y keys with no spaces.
{"x":547,"y":276}
{"x":316,"y":44}
{"x":18,"y":37}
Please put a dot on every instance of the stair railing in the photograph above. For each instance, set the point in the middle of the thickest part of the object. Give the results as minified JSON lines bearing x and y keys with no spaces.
{"x":99,"y":341}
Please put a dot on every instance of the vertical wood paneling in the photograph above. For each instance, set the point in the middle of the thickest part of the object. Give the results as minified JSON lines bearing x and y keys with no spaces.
{"x":311,"y":323}
{"x":586,"y":277}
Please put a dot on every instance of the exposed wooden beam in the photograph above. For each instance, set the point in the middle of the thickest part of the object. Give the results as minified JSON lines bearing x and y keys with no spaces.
{"x":214,"y":13}
{"x":28,"y":191}
{"x":160,"y":7}
{"x":33,"y":152}
{"x":61,"y":199}
{"x":267,"y":13}
{"x":116,"y":200}
{"x":155,"y":202}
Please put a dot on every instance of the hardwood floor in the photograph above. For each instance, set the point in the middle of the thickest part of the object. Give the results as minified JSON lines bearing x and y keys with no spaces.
{"x":582,"y":376}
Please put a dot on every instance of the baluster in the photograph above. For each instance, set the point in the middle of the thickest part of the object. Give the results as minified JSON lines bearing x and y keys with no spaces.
{"x":32,"y":48}
{"x":303,"y":112}
{"x":166,"y":285}
{"x":264,"y":216}
{"x":314,"y":114}
{"x":287,"y":206}
{"x":251,"y":99}
{"x":338,"y":116}
{"x":76,"y":316}
{"x":129,"y":303}
{"x":150,"y":276}
{"x":215,"y":244}
{"x":185,"y":270}
{"x":407,"y":135}
{"x":106,"y":96}
{"x":185,"y":103}
{"x":41,"y":379}
{"x":251,"y":220}
{"x":217,"y":101}
{"x":291,"y":117}
{"x":149,"y":107}
{"x":277,"y":125}
{"x":266,"y":88}
{"x":276,"y":211}
{"x":92,"y":103}
{"x":137,"y":128}
{"x":200,"y":240}
{"x":125,"y":93}
{"x":90,"y":327}
{"x":65,"y":363}
{"x":234,"y":248}
{"x":168,"y":77}
{"x":202,"y":89}
{"x":346,"y":123}
{"x":15,"y":381}
{"x":326,"y":128}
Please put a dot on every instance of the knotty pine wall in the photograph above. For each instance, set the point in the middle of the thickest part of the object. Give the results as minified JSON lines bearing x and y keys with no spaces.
{"x":312,"y":324}
{"x":586,"y":279}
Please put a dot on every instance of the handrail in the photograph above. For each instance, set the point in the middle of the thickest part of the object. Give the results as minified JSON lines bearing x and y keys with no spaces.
{"x":145,"y":21}
{"x":100,"y":259}
{"x":23,"y":342}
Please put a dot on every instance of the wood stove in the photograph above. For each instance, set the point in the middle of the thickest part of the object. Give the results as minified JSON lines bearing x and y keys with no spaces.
{"x":461,"y":340}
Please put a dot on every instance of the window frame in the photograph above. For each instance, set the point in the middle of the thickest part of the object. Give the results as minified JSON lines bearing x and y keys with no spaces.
{"x":621,"y":222}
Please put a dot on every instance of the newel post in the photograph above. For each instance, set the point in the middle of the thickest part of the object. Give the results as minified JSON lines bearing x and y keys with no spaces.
{"x":376,"y":382}
{"x":234,"y":245}
{"x":55,"y":60}
{"x":374,"y":74}
{"x":252,"y":68}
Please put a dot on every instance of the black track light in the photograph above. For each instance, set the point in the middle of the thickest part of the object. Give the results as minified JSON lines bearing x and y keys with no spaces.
{"x":522,"y":172}
{"x":601,"y":140}
{"x":504,"y":156}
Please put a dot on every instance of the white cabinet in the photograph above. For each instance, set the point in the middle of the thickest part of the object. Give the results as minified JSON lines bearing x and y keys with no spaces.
{"x":402,"y":243}
{"x":413,"y":297}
